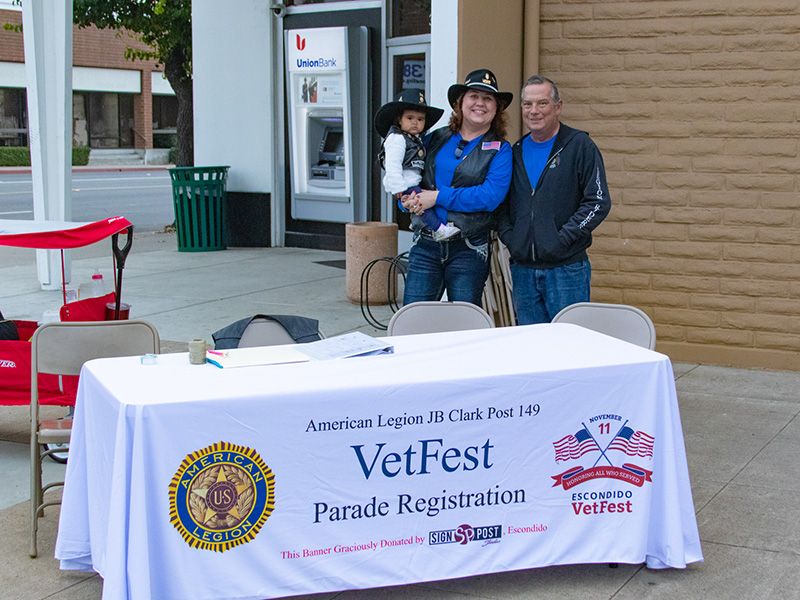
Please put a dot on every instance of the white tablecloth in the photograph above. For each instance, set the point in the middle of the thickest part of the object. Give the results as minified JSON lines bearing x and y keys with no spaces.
{"x":462,"y":453}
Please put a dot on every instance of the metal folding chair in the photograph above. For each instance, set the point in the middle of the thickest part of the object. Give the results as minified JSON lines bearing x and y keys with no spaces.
{"x":433,"y":316}
{"x":617,"y":320}
{"x":267,"y":330}
{"x":62,"y":349}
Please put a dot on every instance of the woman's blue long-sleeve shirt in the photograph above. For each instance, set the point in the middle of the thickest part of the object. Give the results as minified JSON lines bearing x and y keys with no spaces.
{"x":484,"y":197}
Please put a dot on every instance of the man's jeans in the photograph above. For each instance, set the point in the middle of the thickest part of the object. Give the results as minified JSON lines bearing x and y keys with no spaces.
{"x":540,"y":293}
{"x":460,"y":265}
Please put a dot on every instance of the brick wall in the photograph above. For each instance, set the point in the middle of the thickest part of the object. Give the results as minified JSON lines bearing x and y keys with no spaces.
{"x":695,"y":108}
{"x":105,"y":48}
{"x":11,"y":41}
{"x":91,"y":47}
{"x":100,"y":48}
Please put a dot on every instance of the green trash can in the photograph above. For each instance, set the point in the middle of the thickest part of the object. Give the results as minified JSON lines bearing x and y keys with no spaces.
{"x":198,"y":195}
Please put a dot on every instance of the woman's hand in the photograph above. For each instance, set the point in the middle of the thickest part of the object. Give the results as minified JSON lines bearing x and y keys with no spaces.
{"x":420,"y":202}
{"x":409,"y":202}
{"x":426,"y":199}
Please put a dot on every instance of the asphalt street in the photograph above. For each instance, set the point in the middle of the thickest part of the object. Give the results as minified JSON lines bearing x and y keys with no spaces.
{"x":143,"y":197}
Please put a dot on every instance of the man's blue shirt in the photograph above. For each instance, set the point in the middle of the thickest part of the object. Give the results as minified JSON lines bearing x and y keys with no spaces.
{"x":534,"y":155}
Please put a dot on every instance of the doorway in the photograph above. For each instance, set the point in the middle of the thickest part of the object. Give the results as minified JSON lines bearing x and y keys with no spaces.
{"x":102,"y":119}
{"x":409,"y":65}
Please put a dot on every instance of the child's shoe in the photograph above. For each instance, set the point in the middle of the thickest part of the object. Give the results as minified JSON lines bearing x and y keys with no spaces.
{"x":445,"y":232}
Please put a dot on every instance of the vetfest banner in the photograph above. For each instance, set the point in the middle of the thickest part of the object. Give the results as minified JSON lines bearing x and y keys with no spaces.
{"x":377,"y":485}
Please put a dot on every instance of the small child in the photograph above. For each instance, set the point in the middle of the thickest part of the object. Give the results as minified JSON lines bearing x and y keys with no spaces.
{"x":402,"y":155}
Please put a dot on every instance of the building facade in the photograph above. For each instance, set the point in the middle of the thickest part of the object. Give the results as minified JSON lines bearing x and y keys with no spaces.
{"x":693,"y":104}
{"x":116,"y":103}
{"x":695,"y":107}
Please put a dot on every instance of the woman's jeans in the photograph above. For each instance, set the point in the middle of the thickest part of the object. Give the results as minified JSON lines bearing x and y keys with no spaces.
{"x":460,"y":265}
{"x":539,"y":294}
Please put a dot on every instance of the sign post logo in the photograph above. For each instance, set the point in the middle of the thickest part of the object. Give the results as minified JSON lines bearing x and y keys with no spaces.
{"x":465,"y":533}
{"x":300,"y":42}
{"x":221,"y":496}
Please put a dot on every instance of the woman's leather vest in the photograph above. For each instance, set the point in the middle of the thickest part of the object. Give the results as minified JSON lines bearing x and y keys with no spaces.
{"x":471,"y":171}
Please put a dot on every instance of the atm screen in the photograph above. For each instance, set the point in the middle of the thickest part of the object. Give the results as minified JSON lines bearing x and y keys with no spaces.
{"x":333,"y":142}
{"x":332,"y":146}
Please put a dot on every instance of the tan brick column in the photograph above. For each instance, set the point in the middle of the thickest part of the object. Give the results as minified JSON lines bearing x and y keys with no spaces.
{"x":490,"y":35}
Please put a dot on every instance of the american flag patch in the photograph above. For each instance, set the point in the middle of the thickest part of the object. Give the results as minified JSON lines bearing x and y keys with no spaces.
{"x":490,"y":146}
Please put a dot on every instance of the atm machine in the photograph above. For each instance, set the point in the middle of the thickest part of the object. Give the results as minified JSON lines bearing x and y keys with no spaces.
{"x":328,"y":96}
{"x":325,"y":142}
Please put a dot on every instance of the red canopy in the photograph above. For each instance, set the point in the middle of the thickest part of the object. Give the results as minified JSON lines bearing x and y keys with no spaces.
{"x":56,"y":235}
{"x":15,"y":355}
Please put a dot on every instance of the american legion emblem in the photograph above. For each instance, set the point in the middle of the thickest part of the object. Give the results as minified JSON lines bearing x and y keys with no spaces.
{"x":221,"y":496}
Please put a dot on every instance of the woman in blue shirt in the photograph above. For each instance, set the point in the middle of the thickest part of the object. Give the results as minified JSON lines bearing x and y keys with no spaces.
{"x":468,"y":173}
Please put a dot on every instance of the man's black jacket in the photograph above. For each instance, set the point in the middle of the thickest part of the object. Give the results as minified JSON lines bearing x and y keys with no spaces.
{"x":552,"y":224}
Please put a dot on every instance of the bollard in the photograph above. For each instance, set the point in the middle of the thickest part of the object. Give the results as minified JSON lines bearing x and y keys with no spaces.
{"x":364,"y":242}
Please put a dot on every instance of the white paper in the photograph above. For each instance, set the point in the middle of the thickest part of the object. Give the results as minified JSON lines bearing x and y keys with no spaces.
{"x":346,"y":346}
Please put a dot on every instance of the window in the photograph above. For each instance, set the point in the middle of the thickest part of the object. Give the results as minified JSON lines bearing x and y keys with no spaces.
{"x":165,"y":121}
{"x":13,"y":117}
{"x":408,"y":72}
{"x":411,"y":17}
{"x":80,"y":124}
{"x":165,"y":114}
{"x":110,"y":120}
{"x":99,"y":119}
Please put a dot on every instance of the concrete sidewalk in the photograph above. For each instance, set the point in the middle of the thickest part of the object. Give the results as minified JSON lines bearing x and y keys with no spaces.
{"x":741,"y":427}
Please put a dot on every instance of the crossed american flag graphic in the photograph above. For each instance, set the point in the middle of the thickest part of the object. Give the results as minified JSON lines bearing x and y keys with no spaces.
{"x":629,"y":441}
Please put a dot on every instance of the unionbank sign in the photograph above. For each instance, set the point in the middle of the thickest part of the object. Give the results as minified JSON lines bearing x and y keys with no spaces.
{"x":316,"y":49}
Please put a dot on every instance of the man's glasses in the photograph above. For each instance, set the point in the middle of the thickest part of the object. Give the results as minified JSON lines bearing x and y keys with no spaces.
{"x":460,"y":148}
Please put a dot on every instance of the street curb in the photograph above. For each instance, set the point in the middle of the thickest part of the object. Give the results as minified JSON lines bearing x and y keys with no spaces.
{"x":91,"y":169}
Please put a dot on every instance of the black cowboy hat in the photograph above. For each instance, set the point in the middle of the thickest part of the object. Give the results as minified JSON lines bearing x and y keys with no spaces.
{"x":483,"y":80}
{"x":407,"y":99}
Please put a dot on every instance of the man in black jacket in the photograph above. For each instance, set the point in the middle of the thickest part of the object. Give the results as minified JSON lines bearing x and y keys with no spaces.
{"x":558,"y":195}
